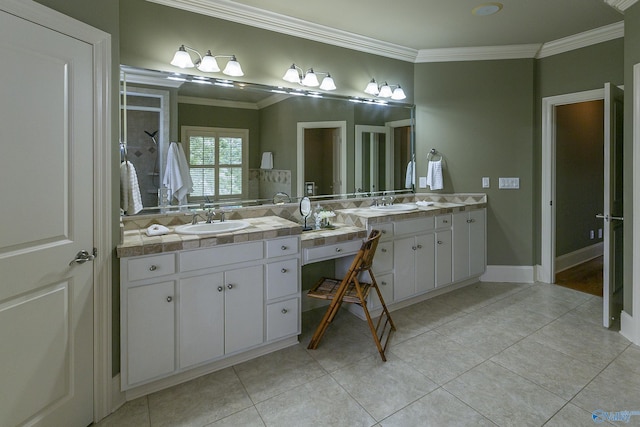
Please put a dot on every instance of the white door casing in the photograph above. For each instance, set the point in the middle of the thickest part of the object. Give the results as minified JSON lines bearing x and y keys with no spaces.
{"x":55,"y":180}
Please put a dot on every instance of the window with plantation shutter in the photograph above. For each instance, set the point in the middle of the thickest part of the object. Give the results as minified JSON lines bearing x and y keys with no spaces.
{"x":217,"y":161}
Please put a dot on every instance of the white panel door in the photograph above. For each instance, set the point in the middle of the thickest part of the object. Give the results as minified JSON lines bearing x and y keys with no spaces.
{"x":46,"y":186}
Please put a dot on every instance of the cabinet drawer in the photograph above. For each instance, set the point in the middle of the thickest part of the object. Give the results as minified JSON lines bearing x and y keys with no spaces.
{"x":331,"y":251}
{"x":383,"y":260}
{"x":443,"y":221}
{"x":386,"y":229}
{"x":282,"y":319}
{"x":413,"y":226}
{"x":218,"y":256}
{"x":282,"y":278}
{"x":150,"y":266}
{"x":281,"y":247}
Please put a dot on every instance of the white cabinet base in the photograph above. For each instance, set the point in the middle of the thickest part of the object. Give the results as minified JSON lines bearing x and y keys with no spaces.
{"x":143,"y":390}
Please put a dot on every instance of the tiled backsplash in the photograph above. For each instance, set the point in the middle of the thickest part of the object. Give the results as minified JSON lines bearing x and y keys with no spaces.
{"x":291,"y":211}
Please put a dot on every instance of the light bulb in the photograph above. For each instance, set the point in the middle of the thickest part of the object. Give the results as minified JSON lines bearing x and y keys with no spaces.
{"x":233,"y":68}
{"x":310,"y":79}
{"x":398,"y":94}
{"x":372,"y":88}
{"x":328,"y":83}
{"x":208,"y":63}
{"x":182,"y":59}
{"x":385,"y":91}
{"x":292,"y":75}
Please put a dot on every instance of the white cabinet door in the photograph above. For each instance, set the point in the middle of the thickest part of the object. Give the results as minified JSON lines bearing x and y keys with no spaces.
{"x":150,"y":331}
{"x":383,"y":260}
{"x":385,"y":284}
{"x":469,"y":243}
{"x":201,"y":322}
{"x":404,"y":284}
{"x":244,"y":307}
{"x":443,"y":258}
{"x":477,"y":242}
{"x":424,"y":263}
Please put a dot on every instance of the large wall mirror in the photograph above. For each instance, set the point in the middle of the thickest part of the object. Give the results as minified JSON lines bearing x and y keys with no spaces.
{"x":244,"y":143}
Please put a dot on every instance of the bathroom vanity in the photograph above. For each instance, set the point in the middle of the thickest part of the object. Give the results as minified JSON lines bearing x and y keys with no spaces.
{"x":192,"y":304}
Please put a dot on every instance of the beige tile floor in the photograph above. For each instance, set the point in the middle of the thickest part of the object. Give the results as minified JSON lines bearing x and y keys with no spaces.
{"x":485,"y":355}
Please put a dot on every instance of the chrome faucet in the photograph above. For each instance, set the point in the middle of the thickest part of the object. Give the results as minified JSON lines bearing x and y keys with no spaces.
{"x":222,"y":213}
{"x":194,"y":219}
{"x":210,"y":214}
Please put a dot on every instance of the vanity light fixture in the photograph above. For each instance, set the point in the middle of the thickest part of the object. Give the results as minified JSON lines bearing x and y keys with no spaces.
{"x":296,"y":74}
{"x":385,"y":90}
{"x":206,"y":63}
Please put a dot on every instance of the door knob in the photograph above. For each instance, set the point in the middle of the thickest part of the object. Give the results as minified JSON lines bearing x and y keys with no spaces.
{"x":84,"y":256}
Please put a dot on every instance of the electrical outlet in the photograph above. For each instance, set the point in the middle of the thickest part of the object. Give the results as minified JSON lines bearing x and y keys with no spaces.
{"x":592,"y":234}
{"x":599,"y":233}
{"x":485,"y":182}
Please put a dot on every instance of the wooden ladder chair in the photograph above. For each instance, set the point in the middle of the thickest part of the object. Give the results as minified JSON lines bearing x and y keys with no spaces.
{"x":351,"y":290}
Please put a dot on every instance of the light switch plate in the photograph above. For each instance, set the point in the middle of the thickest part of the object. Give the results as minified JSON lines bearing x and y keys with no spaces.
{"x":509,"y":183}
{"x":485,"y":182}
{"x":422,"y":182}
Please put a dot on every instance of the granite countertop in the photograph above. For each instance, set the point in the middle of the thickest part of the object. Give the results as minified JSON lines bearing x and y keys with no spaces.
{"x":136,"y":242}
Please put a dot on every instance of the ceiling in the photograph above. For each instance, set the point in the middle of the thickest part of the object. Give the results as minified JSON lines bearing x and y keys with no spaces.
{"x":433,"y":24}
{"x":430,"y":30}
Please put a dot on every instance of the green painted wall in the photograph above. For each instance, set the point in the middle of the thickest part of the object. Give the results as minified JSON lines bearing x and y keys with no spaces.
{"x":150,"y":34}
{"x":479,"y":115}
{"x":631,"y":57}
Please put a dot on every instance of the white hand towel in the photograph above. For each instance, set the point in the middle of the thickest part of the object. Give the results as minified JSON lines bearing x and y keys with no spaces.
{"x":176,"y":175}
{"x":267,"y":160}
{"x":434,"y":175}
{"x":130,"y":199}
{"x":157,"y":230}
{"x":409,"y":179}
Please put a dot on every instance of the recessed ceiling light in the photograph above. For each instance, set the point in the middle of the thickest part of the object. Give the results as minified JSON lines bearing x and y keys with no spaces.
{"x":487,"y":9}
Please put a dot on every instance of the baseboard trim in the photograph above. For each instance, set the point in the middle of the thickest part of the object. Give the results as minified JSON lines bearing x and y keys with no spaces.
{"x":628,"y":328}
{"x":566,"y":261}
{"x":508,"y":273}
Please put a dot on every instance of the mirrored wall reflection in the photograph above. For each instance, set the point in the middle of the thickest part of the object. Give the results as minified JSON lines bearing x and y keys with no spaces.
{"x":318,"y":161}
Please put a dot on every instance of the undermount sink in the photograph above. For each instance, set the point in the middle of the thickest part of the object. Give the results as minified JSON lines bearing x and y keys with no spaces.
{"x":204,"y":228}
{"x":400,"y":207}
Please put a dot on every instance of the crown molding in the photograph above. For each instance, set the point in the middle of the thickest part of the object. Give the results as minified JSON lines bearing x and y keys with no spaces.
{"x":587,"y":38}
{"x":621,"y":5}
{"x":260,"y":18}
{"x":483,"y":53}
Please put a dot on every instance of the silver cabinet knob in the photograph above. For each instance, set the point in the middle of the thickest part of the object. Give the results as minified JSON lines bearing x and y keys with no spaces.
{"x":284,"y":311}
{"x":220,"y":288}
{"x":445,"y":221}
{"x":414,"y":248}
{"x":419,"y":246}
{"x":338,"y":249}
{"x":383,"y":283}
{"x":284,"y":248}
{"x":284,"y":270}
{"x":383,"y":250}
{"x":169,"y":299}
{"x":440,"y":242}
{"x":384,"y":231}
{"x":229,"y":286}
{"x":153,"y":267}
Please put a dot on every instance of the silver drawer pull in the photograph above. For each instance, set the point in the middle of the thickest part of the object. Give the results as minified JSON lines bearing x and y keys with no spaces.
{"x":284,"y":270}
{"x":419,"y":246}
{"x":414,"y":248}
{"x":169,"y":299}
{"x":384,"y":283}
{"x":220,"y":288}
{"x":229,"y":286}
{"x":153,"y":268}
{"x":440,"y":242}
{"x":338,"y":249}
{"x":445,"y":221}
{"x":284,"y":248}
{"x":284,"y":311}
{"x":471,"y":220}
{"x":383,"y":250}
